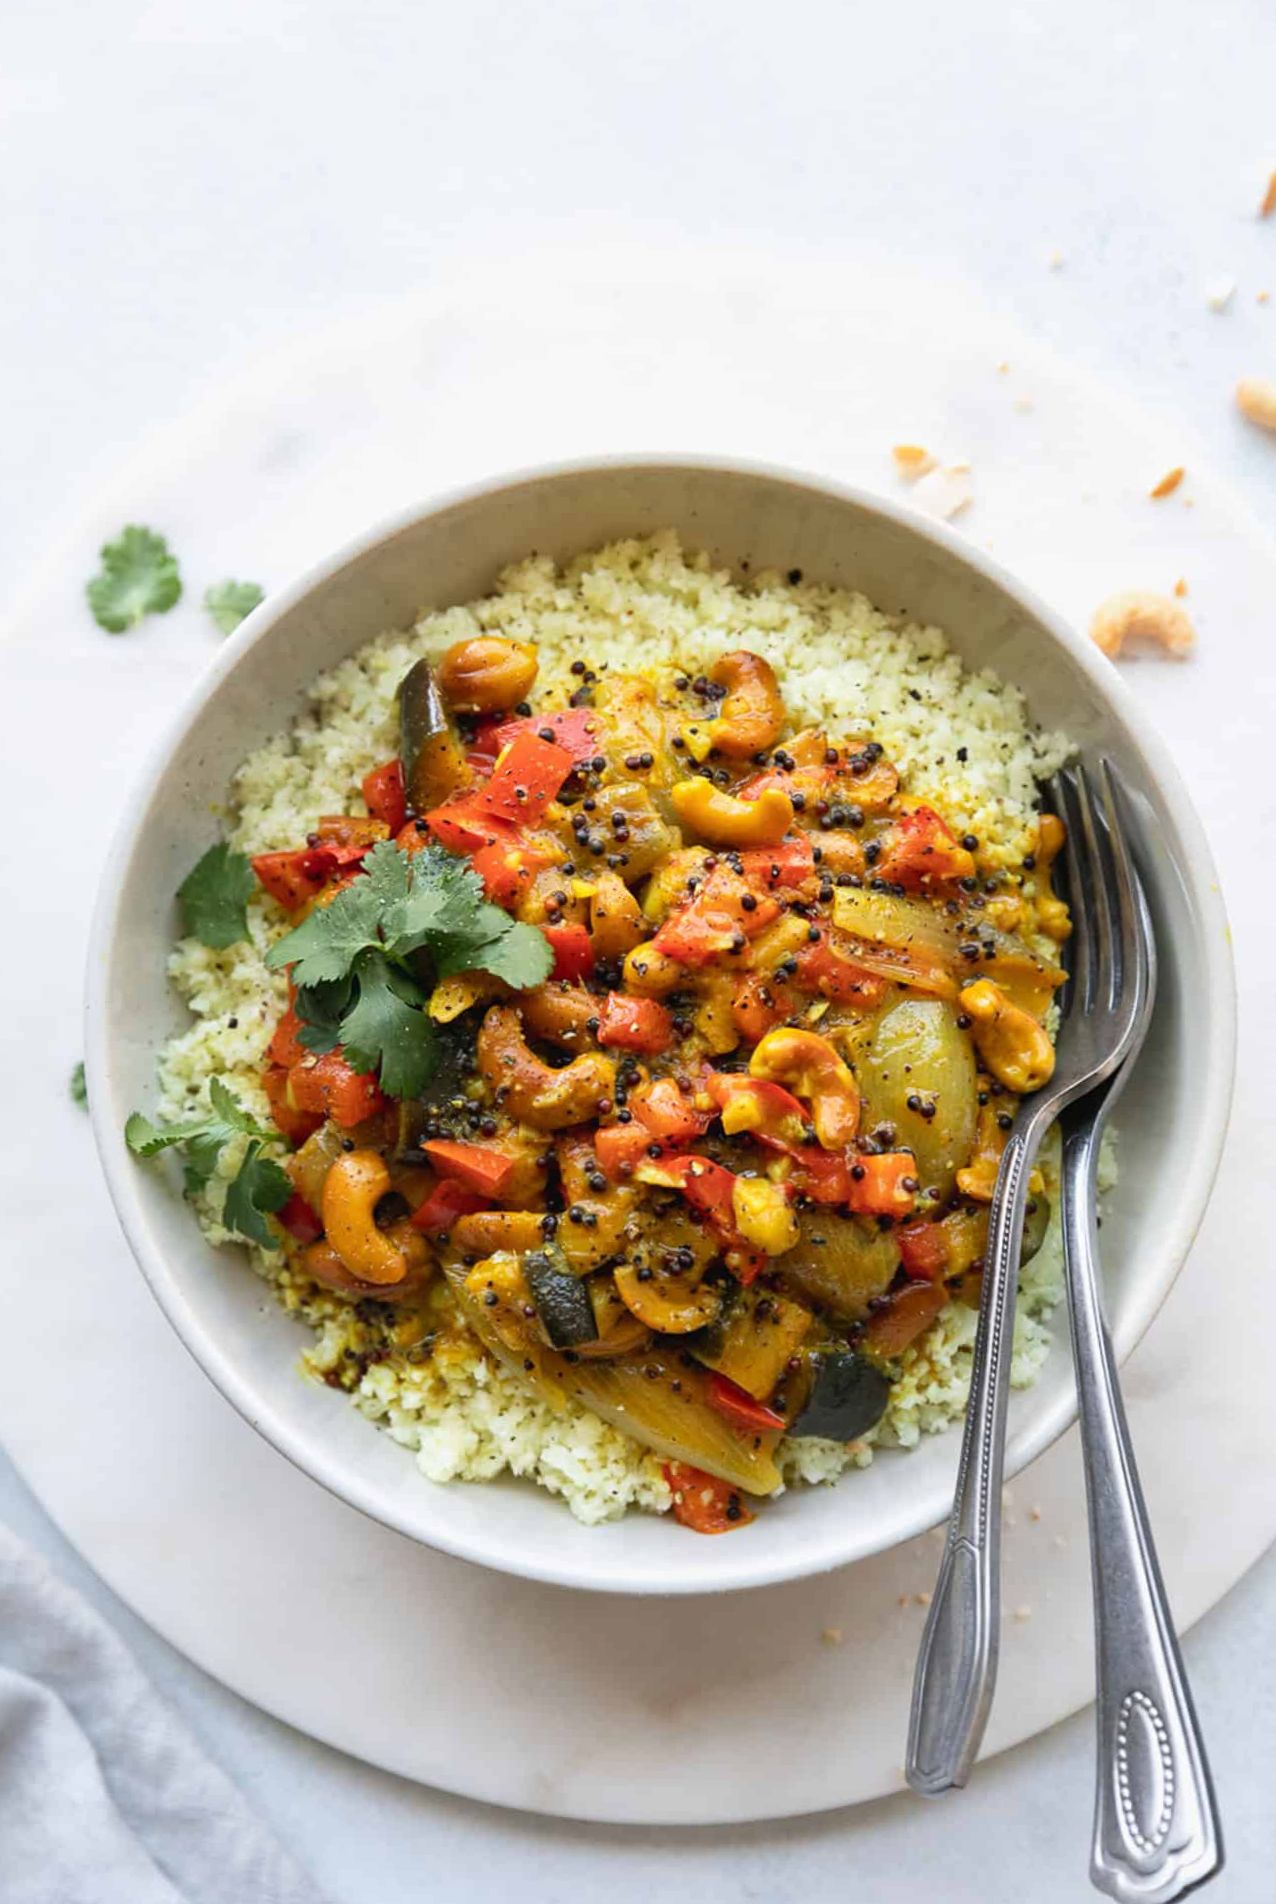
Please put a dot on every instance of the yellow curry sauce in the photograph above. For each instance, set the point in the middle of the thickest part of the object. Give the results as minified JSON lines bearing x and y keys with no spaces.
{"x":714,"y":1174}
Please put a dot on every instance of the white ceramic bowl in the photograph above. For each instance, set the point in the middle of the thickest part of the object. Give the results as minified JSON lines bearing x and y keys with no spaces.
{"x":1173,"y":1115}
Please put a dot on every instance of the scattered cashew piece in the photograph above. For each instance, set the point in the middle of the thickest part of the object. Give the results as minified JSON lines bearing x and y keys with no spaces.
{"x":912,"y":461}
{"x":1256,"y":401}
{"x":945,"y":491}
{"x":1140,"y":614}
{"x":1268,"y":205}
{"x":1168,"y":483}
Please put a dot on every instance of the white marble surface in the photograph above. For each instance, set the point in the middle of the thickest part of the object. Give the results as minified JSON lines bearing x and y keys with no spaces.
{"x":186,"y":184}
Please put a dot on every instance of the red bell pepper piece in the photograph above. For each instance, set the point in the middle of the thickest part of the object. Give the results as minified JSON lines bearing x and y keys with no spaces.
{"x":285,"y":1047}
{"x":766,"y":1110}
{"x":762,"y":1002}
{"x":293,"y":878}
{"x":573,"y":950}
{"x":906,"y":1314}
{"x":300,"y":1220}
{"x":474,"y":1165}
{"x":446,"y":1202}
{"x":296,"y":1125}
{"x":779,"y":868}
{"x":384,"y":794}
{"x":885,"y":1185}
{"x":666,"y":1111}
{"x":635,"y":1024}
{"x":739,"y":1407}
{"x":507,"y":869}
{"x":620,"y":1148}
{"x":715,"y":923}
{"x":822,"y":968}
{"x":524,"y":780}
{"x":706,"y":1186}
{"x":922,"y":850}
{"x":923,"y":1250}
{"x":460,"y":827}
{"x":577,"y":729}
{"x":822,"y":1175}
{"x":704,"y":1502}
{"x":329,"y":1087}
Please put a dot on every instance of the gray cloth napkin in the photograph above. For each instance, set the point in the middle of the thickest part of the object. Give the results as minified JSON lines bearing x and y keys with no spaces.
{"x":105,"y":1798}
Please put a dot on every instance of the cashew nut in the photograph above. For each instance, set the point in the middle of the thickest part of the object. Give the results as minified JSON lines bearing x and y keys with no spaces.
{"x":615,"y":918}
{"x":485,"y":1232}
{"x":725,"y":821}
{"x":752,"y":715}
{"x":1053,"y":917}
{"x":536,"y":1093}
{"x":1256,"y":401}
{"x":1142,"y":615}
{"x":351,"y":1191}
{"x":487,"y":674}
{"x":651,"y":973}
{"x":561,"y":1013}
{"x":1012,"y":1045}
{"x":326,"y":1267}
{"x":811,"y":1068}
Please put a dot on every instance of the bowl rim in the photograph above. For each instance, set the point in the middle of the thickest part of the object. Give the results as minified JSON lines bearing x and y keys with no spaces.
{"x":1214,"y":1091}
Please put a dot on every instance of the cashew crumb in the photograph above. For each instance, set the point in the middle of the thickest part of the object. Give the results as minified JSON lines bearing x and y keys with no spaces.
{"x":903,"y":1600}
{"x":1268,"y":205}
{"x":912,"y":461}
{"x":1055,"y":260}
{"x":1168,"y":483}
{"x":1023,"y":1612}
{"x":1180,"y":587}
{"x":1034,"y":1513}
{"x":945,"y":492}
{"x":1024,"y":405}
{"x":1003,"y":369}
{"x":832,"y":1636}
{"x":1256,"y":401}
{"x":1219,"y":293}
{"x":921,"y":1599}
{"x":1262,"y":297}
{"x":1140,"y":615}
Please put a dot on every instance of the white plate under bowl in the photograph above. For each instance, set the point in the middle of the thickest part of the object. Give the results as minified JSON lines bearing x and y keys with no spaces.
{"x":1173,"y":1115}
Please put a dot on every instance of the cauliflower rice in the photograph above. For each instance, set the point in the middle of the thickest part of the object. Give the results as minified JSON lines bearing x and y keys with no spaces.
{"x":961,"y":738}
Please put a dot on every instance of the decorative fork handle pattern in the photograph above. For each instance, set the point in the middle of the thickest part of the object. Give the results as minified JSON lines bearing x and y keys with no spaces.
{"x":957,"y":1664}
{"x":1156,"y":1829}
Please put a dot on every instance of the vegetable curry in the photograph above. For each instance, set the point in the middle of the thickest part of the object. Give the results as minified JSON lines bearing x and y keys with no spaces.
{"x":695,"y":1116}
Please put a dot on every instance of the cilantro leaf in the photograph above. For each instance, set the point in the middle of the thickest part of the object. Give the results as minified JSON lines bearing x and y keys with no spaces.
{"x":324,"y":947}
{"x":202,"y":1141}
{"x":387,"y":1028}
{"x":214,"y":894}
{"x":228,"y":603}
{"x":360,"y":964}
{"x":519,"y":954}
{"x":259,"y":1186}
{"x":78,"y":1088}
{"x":138,"y":577}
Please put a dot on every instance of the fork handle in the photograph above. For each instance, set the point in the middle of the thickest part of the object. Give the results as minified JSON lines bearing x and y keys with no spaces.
{"x":1156,"y":1828}
{"x":957,"y":1663}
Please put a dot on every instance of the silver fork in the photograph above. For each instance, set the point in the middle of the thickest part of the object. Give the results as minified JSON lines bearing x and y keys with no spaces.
{"x":1156,"y":1827}
{"x":957,"y":1664}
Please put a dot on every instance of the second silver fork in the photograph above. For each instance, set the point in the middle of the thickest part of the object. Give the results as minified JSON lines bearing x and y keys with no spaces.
{"x":1106,"y":994}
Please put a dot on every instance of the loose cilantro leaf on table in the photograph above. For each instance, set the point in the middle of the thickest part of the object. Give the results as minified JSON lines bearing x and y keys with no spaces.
{"x":258,"y":1185}
{"x":138,"y":577}
{"x":214,"y":894}
{"x":228,"y":603}
{"x":78,"y":1088}
{"x":361,"y":964}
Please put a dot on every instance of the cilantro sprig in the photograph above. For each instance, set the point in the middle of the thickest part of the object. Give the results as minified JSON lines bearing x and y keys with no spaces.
{"x":214,"y":895}
{"x":139,"y":577}
{"x":78,"y":1086}
{"x":362,"y":966}
{"x":259,"y":1186}
{"x":228,"y":602}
